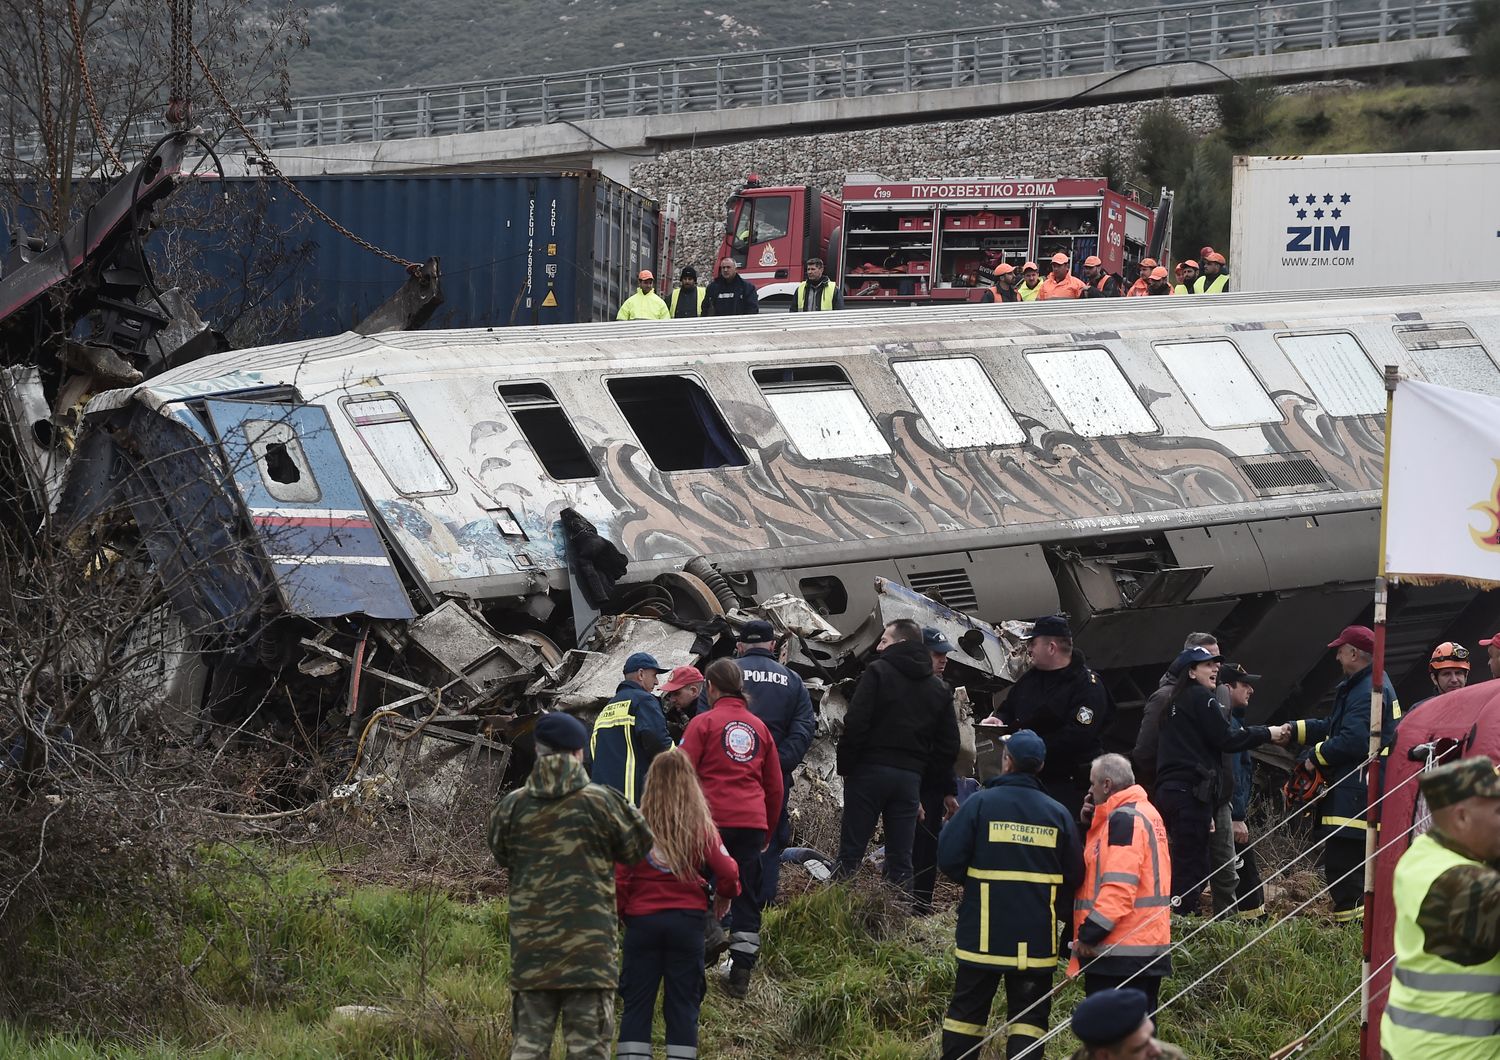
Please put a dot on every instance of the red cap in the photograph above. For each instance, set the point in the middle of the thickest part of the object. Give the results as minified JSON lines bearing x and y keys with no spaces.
{"x":1091,"y":260}
{"x":1361,"y":637}
{"x":1492,"y":640}
{"x":644,"y":274}
{"x":1059,"y":258}
{"x":1190,"y":264}
{"x":681,"y":678}
{"x":1204,"y":252}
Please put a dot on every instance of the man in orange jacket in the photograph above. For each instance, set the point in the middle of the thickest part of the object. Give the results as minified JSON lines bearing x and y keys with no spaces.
{"x":1142,"y":285}
{"x":1122,"y":915}
{"x":1060,"y":283}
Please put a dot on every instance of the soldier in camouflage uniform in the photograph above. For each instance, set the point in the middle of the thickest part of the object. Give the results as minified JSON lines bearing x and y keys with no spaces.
{"x":1444,"y":1002}
{"x":560,"y":837}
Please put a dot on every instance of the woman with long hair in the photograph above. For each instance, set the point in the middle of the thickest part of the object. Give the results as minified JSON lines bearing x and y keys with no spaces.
{"x":662,"y":900}
{"x":735,"y":757}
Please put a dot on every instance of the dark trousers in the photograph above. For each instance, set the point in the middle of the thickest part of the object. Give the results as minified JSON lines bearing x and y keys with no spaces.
{"x":661,"y":949}
{"x":1150,"y":985}
{"x":744,"y":846}
{"x":1250,"y":896}
{"x":924,"y":849}
{"x":1345,"y":853}
{"x":1069,"y":792}
{"x":1188,"y":821}
{"x":874,"y":793}
{"x":781,"y":838}
{"x":969,"y":1012}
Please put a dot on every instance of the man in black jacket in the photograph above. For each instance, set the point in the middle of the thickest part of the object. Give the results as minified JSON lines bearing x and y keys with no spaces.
{"x":939,"y":795}
{"x":730,"y":294}
{"x":899,"y":725}
{"x":1014,"y":849}
{"x":1064,"y":703}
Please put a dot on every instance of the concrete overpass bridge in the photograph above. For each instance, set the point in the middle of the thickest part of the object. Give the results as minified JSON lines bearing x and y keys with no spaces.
{"x":603,"y":118}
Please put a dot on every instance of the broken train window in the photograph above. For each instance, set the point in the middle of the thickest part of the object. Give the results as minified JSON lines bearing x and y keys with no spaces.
{"x":281,"y":461}
{"x":821,"y":412}
{"x":677,"y":423}
{"x":398,"y":445}
{"x":546,"y":426}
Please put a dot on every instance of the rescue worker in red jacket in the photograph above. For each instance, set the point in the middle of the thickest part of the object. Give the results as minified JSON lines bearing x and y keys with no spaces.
{"x":736,"y":760}
{"x":1142,"y":285}
{"x":1122,"y":915}
{"x":1098,"y":283}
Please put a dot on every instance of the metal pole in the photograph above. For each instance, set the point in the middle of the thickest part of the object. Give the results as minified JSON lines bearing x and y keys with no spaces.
{"x":1377,"y":715}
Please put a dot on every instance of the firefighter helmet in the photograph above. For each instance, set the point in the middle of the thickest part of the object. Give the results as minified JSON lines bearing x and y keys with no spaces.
{"x":1449,"y":655}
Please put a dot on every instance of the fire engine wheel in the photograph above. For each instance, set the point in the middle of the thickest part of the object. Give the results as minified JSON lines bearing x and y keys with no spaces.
{"x":550,"y":652}
{"x":692,"y":599}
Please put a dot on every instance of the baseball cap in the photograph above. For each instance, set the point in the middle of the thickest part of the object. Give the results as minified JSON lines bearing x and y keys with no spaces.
{"x":1148,"y":263}
{"x":1361,"y":637}
{"x":1190,"y":264}
{"x":562,"y":731}
{"x":1214,"y":256}
{"x":1159,"y":273}
{"x":1092,"y":260}
{"x":1234,"y":674}
{"x":1059,"y":258}
{"x":642,"y":660}
{"x":933,"y":640}
{"x":1027,"y":748}
{"x":644,"y":274}
{"x":1004,"y":269}
{"x":1050,"y":626}
{"x":1029,"y":265}
{"x":755,"y":631}
{"x":1492,"y":640}
{"x":1191,"y":657}
{"x":1467,"y":778}
{"x":681,"y":678}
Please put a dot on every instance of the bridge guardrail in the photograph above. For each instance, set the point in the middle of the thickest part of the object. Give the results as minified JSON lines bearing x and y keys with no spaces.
{"x":1090,"y":44}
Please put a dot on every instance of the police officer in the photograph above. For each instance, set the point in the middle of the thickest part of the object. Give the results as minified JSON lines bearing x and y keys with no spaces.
{"x":630,"y":730}
{"x":1339,"y":744}
{"x":1066,"y":704}
{"x":1016,"y":849}
{"x":1445,"y":990}
{"x":778,"y":698}
{"x":1116,"y":1025}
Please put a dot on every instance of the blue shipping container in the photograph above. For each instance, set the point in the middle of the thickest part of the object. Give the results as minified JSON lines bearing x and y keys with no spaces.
{"x":515,"y":248}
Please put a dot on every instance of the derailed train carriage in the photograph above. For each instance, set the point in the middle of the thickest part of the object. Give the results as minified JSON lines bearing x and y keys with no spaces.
{"x":1148,"y":466}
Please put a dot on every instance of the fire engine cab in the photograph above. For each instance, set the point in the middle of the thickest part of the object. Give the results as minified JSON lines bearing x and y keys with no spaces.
{"x":915,"y":242}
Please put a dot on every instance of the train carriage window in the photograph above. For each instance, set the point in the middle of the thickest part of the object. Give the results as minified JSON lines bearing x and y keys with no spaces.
{"x":546,"y":426}
{"x":957,"y":398}
{"x":677,"y":423}
{"x":1451,"y":355}
{"x":1218,"y":383}
{"x":398,"y":445}
{"x":1335,"y":366}
{"x":821,"y":412}
{"x":1091,"y":392}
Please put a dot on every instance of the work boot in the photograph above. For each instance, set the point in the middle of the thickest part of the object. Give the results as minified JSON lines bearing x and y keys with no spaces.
{"x":715,"y":943}
{"x":738,"y":984}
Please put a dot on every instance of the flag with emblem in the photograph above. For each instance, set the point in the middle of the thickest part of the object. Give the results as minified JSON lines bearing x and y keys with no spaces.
{"x":1443,"y":493}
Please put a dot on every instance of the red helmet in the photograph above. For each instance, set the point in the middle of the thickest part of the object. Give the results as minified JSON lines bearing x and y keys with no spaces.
{"x":1449,"y":655}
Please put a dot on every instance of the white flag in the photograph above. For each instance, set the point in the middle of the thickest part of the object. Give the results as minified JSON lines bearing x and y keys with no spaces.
{"x":1443,"y":498}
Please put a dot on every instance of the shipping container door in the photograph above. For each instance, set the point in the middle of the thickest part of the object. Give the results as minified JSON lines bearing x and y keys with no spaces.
{"x":309,"y":518}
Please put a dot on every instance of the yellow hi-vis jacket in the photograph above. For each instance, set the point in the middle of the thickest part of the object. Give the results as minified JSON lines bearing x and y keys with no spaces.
{"x":1028,"y":294}
{"x":1218,"y":285}
{"x":672,"y":306}
{"x":643,"y":305}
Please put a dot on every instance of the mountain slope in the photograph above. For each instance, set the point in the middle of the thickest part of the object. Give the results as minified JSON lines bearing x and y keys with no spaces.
{"x":368,"y":45}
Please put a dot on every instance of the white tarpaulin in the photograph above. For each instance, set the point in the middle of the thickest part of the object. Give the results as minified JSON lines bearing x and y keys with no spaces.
{"x":1443,"y":500}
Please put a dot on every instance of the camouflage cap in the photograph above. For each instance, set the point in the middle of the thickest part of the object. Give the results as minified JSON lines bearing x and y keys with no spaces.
{"x":1467,"y":778}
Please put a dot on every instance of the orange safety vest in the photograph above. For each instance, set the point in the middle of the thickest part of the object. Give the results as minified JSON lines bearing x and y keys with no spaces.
{"x":1139,"y":289}
{"x":1127,"y":887}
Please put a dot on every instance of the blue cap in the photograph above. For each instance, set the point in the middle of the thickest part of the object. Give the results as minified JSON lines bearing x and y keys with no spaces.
{"x":1106,"y":1017}
{"x":1050,"y":626}
{"x":642,"y":660}
{"x":933,"y":639}
{"x":756,"y":632}
{"x":562,"y":731}
{"x":1027,"y":749}
{"x":1191,"y":657}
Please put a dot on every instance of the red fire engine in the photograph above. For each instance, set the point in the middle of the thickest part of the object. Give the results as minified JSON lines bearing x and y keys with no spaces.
{"x":915,"y":242}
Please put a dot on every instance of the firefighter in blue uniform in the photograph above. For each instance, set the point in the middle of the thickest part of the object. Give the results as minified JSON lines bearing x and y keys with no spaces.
{"x":1017,"y":853}
{"x":630,"y":731}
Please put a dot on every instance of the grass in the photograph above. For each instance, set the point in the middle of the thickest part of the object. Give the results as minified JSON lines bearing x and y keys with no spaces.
{"x":276,"y":944}
{"x":1395,"y":117}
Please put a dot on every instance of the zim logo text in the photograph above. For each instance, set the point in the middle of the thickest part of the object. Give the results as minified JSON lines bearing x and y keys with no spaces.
{"x":1311,"y":233}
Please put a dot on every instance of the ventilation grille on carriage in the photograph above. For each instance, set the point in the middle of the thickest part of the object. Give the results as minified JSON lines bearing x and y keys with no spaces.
{"x":949,"y":587}
{"x":1284,"y":473}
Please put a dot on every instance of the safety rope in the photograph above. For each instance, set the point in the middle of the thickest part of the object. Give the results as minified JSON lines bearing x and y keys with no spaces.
{"x":87,"y":82}
{"x":1300,"y":1045}
{"x":317,"y":211}
{"x":1226,"y":912}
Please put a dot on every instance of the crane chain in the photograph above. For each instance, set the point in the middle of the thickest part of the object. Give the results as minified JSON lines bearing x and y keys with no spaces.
{"x":88,"y":88}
